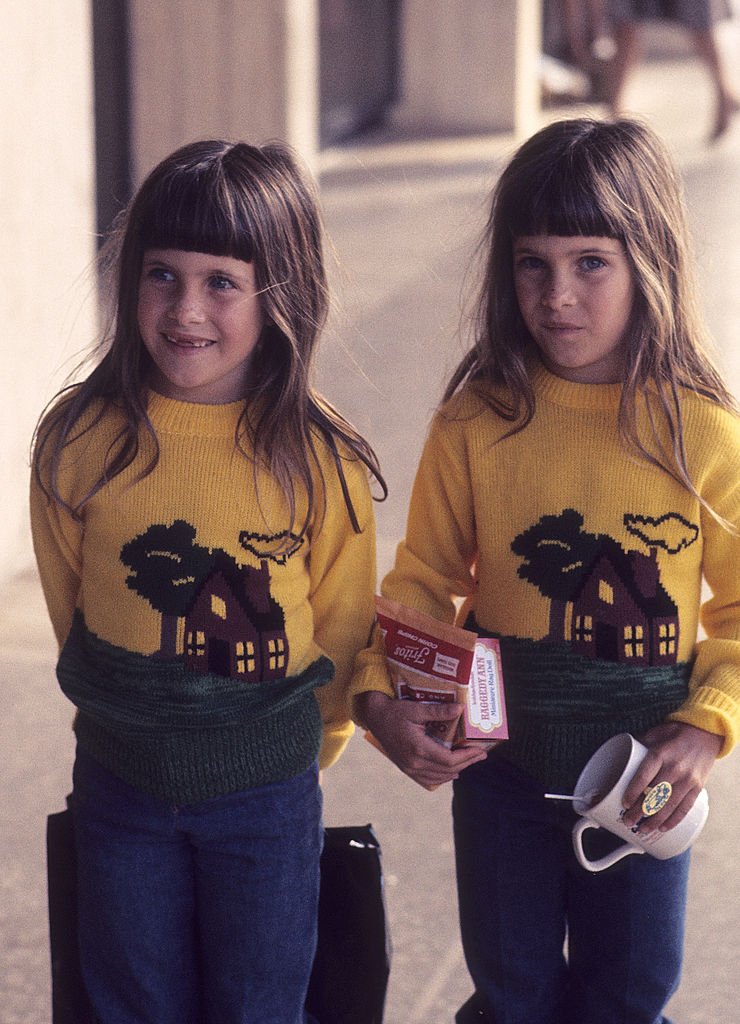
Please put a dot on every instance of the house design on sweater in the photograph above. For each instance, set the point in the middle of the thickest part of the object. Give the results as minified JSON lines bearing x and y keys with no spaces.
{"x":234,"y":626}
{"x":608,"y":603}
{"x":621,"y":612}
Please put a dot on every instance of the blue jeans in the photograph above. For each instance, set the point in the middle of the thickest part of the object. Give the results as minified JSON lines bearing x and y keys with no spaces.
{"x":197,"y":914}
{"x":522,"y":893}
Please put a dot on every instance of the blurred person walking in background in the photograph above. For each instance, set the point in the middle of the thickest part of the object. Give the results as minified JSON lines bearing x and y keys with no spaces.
{"x":699,"y":18}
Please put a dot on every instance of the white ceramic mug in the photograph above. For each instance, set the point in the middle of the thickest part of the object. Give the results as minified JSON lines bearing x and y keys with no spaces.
{"x":598,"y":798}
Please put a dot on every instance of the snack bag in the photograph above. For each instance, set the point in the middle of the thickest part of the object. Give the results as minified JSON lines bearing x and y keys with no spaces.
{"x":432,"y":662}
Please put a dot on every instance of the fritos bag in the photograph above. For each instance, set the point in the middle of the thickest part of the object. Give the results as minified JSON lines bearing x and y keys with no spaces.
{"x":434,"y":663}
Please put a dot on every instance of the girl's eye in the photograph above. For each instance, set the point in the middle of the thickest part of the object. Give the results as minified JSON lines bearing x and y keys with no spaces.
{"x":221,"y":283}
{"x":592,"y":263}
{"x":159,"y":274}
{"x":530,"y":263}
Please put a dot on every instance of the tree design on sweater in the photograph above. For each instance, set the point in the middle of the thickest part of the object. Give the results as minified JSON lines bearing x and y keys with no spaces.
{"x":607,"y":602}
{"x":233,"y":626}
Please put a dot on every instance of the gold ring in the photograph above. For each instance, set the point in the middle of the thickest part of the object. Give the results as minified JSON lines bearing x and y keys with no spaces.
{"x":656,"y":797}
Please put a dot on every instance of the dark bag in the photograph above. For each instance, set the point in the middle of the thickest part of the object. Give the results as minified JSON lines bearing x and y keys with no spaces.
{"x":353,"y":957}
{"x":69,"y":1002}
{"x":352,"y":964}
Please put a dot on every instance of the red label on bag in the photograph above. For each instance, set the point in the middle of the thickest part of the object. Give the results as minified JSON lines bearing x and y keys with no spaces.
{"x":423,"y":652}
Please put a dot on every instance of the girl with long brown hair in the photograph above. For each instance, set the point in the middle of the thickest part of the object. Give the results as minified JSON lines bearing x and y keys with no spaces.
{"x":577,"y":485}
{"x":203,"y":526}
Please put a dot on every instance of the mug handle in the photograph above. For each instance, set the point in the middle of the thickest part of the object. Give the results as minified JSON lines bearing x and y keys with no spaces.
{"x":604,"y":862}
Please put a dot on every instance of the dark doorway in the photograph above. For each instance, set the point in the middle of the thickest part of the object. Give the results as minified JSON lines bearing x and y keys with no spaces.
{"x":359,"y":65}
{"x":607,"y":642}
{"x":219,"y":656}
{"x":112,"y":112}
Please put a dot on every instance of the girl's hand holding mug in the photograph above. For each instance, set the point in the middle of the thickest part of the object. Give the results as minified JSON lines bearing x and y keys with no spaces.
{"x":679,"y":754}
{"x":621,"y":766}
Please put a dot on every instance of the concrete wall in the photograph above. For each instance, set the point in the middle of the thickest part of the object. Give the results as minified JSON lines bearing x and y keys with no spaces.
{"x":238,"y":70}
{"x":47,"y":230}
{"x":471,"y":67}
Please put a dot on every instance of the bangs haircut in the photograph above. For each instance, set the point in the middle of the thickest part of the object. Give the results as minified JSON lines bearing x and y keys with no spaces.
{"x":562,"y":186}
{"x":564,"y":205}
{"x":194,"y":209}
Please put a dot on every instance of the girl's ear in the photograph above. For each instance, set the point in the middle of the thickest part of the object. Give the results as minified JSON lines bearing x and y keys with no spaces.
{"x":263,"y":342}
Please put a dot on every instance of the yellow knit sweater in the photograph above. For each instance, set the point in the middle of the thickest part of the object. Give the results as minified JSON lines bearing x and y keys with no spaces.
{"x":589,"y":557}
{"x":188,"y":565}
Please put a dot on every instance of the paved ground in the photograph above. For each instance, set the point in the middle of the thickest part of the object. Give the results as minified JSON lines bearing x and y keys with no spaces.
{"x":404,"y":219}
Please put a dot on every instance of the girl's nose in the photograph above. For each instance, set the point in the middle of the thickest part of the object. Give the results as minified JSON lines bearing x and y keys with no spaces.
{"x":186,"y":307}
{"x":557,"y":293}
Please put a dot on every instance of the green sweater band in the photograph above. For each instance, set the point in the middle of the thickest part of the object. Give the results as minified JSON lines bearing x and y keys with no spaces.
{"x":186,"y":737}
